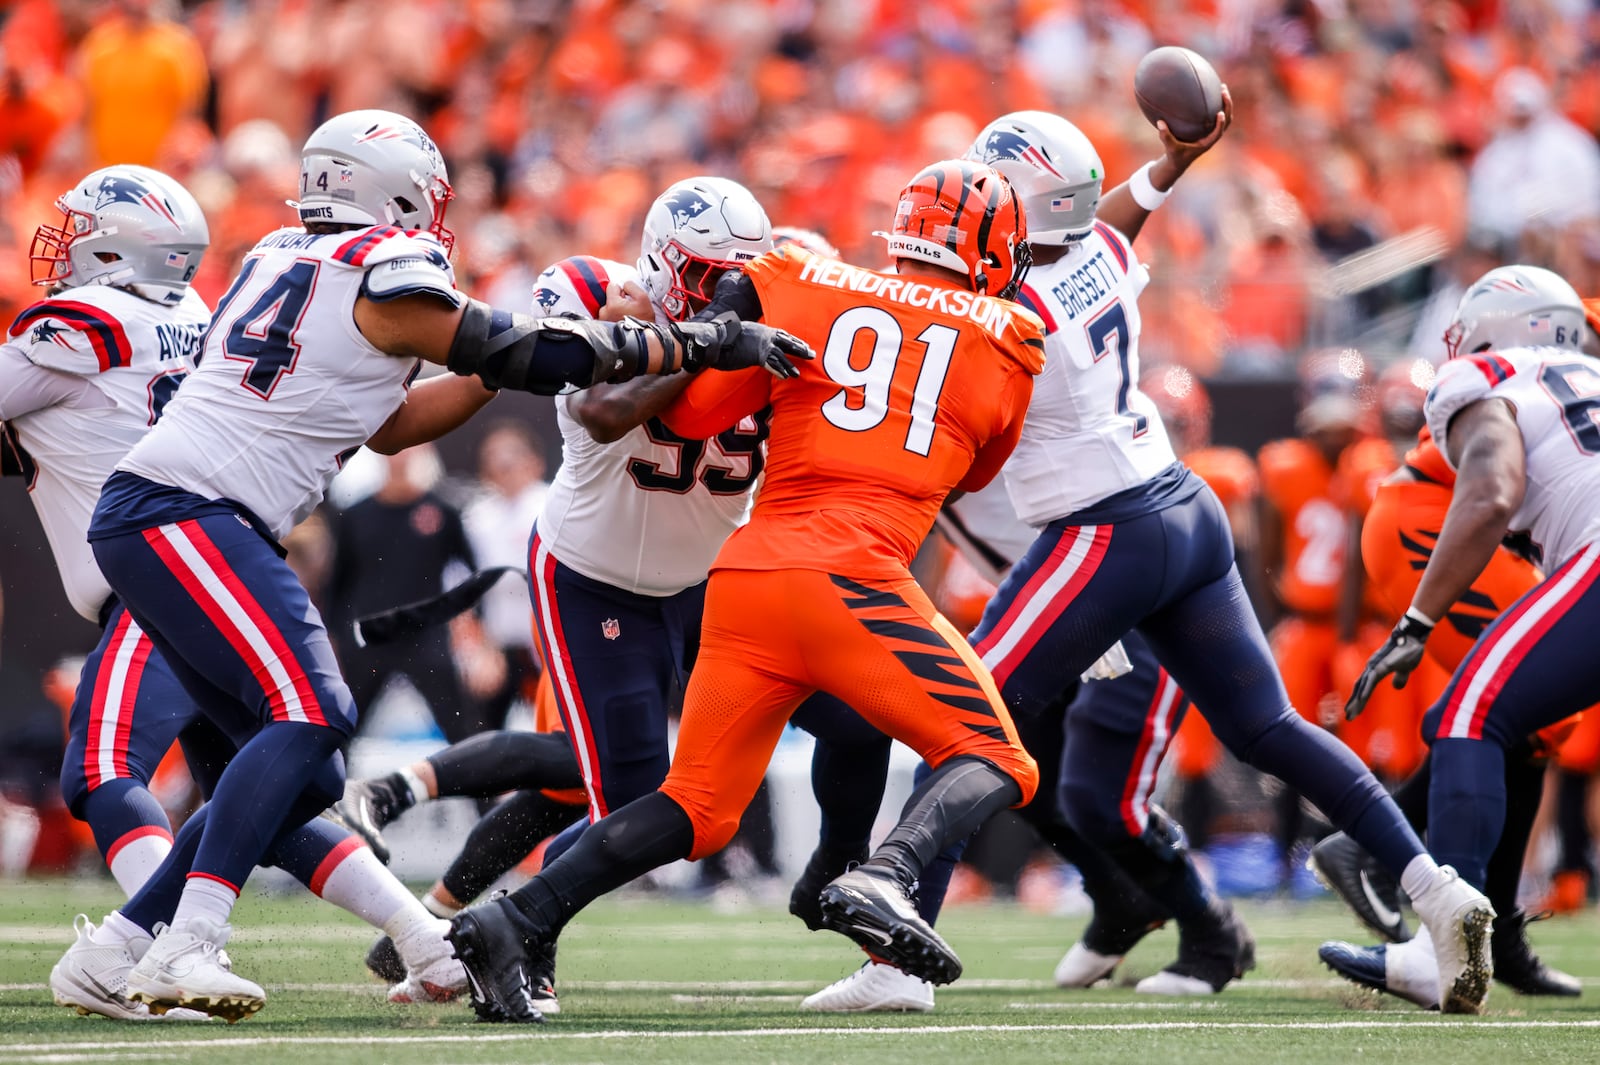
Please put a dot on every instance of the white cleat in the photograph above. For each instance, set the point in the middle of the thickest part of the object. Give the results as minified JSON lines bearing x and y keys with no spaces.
{"x":1167,"y":982}
{"x":873,"y":988}
{"x":1412,"y":971}
{"x":1082,"y":967}
{"x":1459,"y":920}
{"x":92,"y":978}
{"x":432,"y":972}
{"x":186,"y":966}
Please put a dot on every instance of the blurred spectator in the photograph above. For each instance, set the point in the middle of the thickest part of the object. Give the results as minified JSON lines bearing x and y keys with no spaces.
{"x":143,"y":73}
{"x":1540,"y":170}
{"x":391,"y":548}
{"x":499,"y":524}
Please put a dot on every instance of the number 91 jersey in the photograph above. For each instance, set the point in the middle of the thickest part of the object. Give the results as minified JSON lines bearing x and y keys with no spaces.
{"x":1556,"y":395}
{"x":287,"y":386}
{"x":1090,"y":432}
{"x":648,"y":512}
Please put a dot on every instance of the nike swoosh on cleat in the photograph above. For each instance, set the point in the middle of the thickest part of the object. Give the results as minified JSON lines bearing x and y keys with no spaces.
{"x":1384,"y":913}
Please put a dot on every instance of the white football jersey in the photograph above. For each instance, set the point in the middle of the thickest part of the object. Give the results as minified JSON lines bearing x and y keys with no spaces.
{"x":1556,"y":394}
{"x":127,"y":356}
{"x":287,"y":386}
{"x":646,"y":513}
{"x":1090,"y":433}
{"x":985,"y":528}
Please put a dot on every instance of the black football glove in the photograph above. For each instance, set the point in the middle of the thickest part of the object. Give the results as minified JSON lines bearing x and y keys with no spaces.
{"x":1399,"y":655}
{"x":727,"y":343}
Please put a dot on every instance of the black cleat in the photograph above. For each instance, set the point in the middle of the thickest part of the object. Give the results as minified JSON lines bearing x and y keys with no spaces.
{"x":1117,"y":926}
{"x":805,"y":900}
{"x":870,"y":906}
{"x":383,"y":961}
{"x":369,"y":805}
{"x":1210,"y":957}
{"x":542,"y":981}
{"x":1365,"y":886}
{"x":1519,"y":968}
{"x":492,"y":950}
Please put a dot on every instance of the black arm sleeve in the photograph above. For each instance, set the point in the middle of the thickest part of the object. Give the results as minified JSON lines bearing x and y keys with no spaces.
{"x":734,"y":292}
{"x":547,"y":356}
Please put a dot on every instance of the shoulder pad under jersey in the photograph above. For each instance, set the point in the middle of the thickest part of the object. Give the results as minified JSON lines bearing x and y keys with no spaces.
{"x":74,"y":332}
{"x":1462,"y":382}
{"x":408,"y":264}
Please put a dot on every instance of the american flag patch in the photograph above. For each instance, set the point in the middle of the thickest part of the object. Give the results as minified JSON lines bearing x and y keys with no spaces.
{"x":1063,"y":203}
{"x":177,"y":260}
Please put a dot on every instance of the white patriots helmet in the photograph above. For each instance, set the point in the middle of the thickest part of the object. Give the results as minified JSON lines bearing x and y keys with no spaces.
{"x":374,"y":168}
{"x":694,"y":231}
{"x":1053,"y":168}
{"x":124,"y":225}
{"x":1514,"y":307}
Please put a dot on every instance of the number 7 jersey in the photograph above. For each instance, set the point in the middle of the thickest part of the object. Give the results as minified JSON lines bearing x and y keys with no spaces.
{"x":1555,"y":393}
{"x":917,"y":388}
{"x":1090,"y":432}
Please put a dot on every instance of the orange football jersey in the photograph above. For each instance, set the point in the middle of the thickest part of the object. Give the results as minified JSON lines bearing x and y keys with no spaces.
{"x":1428,"y":460}
{"x":917,"y":388}
{"x":1362,"y":468}
{"x":1299,"y":483}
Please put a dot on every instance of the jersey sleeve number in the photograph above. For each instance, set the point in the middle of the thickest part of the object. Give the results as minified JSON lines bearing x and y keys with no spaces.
{"x":264,"y":335}
{"x":1108,"y":332}
{"x":863,"y":402}
{"x":720,"y":480}
{"x":1577,"y":389}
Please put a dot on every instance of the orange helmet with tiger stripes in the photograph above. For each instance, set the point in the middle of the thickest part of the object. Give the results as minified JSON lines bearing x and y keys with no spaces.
{"x":963,"y":216}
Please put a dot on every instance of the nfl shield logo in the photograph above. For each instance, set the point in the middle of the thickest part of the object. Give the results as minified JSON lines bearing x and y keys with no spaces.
{"x":610,"y":629}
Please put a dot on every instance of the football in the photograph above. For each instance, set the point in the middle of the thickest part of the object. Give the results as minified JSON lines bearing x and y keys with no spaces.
{"x":1180,"y":87}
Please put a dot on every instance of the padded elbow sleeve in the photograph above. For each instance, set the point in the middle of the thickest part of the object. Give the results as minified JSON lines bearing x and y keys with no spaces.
{"x":545,"y":356}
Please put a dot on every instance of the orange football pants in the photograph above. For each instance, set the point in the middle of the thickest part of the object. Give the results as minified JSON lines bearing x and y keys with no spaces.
{"x":772,"y":637}
{"x":1397,"y":541}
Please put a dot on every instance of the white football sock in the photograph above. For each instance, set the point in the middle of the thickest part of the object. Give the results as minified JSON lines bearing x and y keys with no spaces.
{"x":116,"y":930}
{"x":205,"y":896}
{"x":1420,"y":875}
{"x":134,"y":861}
{"x":362,"y":885}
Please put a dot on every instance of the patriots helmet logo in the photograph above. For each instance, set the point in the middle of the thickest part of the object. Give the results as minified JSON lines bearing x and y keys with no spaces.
{"x":546,"y":297}
{"x":1003,"y":144}
{"x":686,"y":204}
{"x":114,"y":188}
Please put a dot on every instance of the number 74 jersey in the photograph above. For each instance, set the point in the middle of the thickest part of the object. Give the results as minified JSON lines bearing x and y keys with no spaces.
{"x":1556,"y":395}
{"x":1090,"y":432}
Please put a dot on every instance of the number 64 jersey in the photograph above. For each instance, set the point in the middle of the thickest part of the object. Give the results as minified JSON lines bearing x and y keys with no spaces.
{"x":287,"y":386}
{"x":648,"y":512}
{"x":1556,"y":395}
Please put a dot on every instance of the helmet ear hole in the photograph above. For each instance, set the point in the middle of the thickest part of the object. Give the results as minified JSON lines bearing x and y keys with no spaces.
{"x":108,"y":257}
{"x":405,"y":205}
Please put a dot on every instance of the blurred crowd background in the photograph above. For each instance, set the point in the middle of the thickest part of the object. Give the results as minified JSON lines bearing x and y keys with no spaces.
{"x":1383,"y":153}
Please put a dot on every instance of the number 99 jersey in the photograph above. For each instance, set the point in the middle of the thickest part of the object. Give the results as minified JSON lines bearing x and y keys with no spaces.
{"x":287,"y":386}
{"x":648,"y":512}
{"x":1556,"y":395}
{"x":1090,"y":432}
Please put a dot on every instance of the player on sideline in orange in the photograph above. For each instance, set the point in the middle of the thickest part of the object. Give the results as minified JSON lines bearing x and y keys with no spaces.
{"x":920,"y":388}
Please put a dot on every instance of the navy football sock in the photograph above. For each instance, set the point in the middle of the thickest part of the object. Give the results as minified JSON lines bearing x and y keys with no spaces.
{"x":301,"y":851}
{"x":847,"y":780}
{"x":119,"y":807}
{"x":1320,"y":767}
{"x":156,"y":902}
{"x":1466,"y":804}
{"x":268,"y":781}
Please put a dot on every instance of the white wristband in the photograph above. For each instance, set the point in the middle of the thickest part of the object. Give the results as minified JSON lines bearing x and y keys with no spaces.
{"x":1144,"y":192}
{"x":1419,"y":617}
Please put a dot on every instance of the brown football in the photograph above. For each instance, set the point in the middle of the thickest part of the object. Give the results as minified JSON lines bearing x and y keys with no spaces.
{"x":1180,"y":87}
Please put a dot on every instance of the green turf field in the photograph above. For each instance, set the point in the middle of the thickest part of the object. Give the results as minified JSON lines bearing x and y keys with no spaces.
{"x":646,"y":981}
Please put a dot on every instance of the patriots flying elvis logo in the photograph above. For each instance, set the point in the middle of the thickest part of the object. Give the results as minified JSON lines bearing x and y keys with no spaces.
{"x":115,"y":189}
{"x":1003,"y":144}
{"x":686,"y":204}
{"x":546,"y":297}
{"x":46,"y":332}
